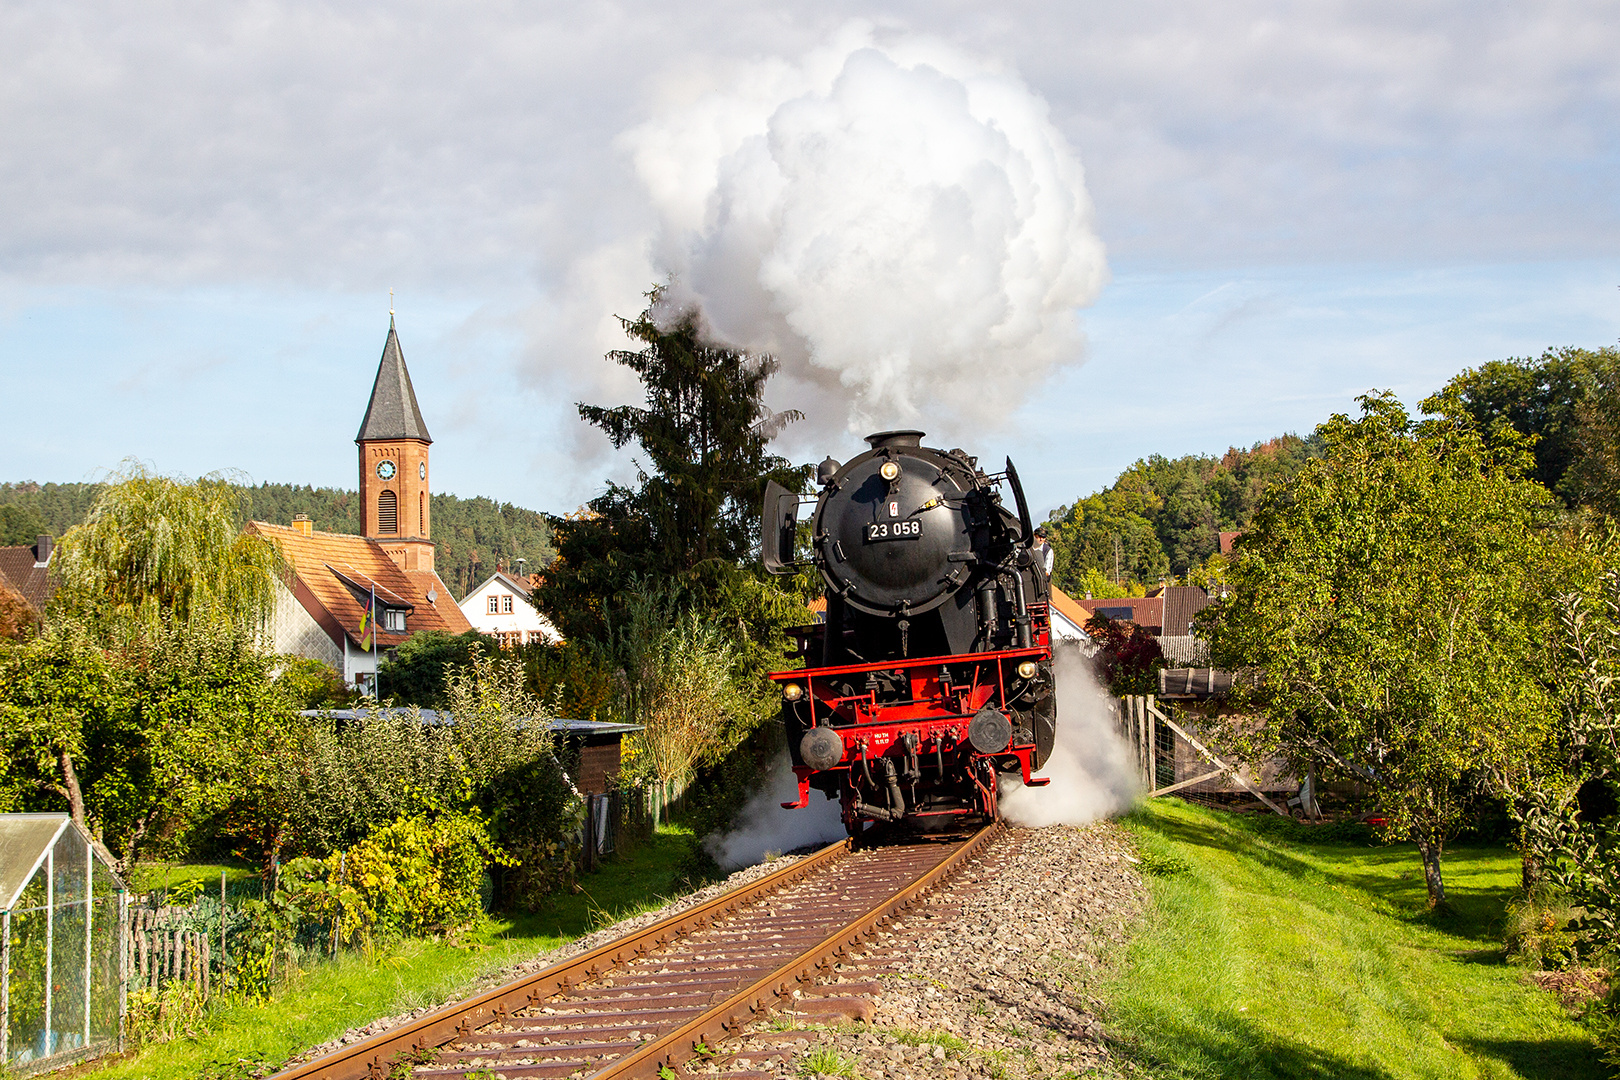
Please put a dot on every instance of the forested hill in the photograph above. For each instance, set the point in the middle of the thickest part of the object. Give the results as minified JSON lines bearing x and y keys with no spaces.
{"x":474,"y":535}
{"x":1164,"y":516}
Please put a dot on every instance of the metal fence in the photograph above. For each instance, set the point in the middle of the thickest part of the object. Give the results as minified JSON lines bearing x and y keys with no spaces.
{"x":614,"y":820}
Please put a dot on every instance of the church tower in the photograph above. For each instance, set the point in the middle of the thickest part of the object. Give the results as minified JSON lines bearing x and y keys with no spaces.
{"x":394,"y":476}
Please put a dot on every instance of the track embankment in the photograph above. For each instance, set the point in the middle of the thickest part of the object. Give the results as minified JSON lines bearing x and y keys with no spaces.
{"x":670,"y":992}
{"x":991,"y":975}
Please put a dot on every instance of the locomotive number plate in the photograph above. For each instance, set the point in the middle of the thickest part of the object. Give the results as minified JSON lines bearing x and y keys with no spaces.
{"x":909,"y":529}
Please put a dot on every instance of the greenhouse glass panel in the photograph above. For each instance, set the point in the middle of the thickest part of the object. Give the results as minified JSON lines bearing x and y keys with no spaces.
{"x":26,"y":967}
{"x":61,"y":994}
{"x":106,"y":979}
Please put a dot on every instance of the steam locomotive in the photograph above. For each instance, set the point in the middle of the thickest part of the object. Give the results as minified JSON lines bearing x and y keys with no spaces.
{"x":932,"y":672}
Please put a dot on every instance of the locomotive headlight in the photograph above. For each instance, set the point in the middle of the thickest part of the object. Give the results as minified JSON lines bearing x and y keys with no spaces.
{"x":1026,"y":670}
{"x":889,"y":470}
{"x":792,"y":692}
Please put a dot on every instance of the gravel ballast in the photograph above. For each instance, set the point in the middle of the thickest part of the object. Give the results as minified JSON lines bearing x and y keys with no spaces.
{"x":989,"y":976}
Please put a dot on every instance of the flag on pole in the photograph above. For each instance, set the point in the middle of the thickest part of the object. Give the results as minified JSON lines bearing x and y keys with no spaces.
{"x":368,"y":620}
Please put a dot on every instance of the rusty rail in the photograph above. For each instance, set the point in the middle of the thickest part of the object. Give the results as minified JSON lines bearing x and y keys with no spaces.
{"x":376,"y":1057}
{"x":730,"y":1016}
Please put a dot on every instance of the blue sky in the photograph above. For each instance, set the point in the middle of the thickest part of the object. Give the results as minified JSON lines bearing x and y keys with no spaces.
{"x":206,"y":207}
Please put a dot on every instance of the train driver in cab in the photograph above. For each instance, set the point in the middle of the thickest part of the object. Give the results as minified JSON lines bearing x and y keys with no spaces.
{"x":1041,"y":550}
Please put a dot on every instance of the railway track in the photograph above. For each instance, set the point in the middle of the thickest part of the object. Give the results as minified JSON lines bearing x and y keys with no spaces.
{"x":672,"y":991}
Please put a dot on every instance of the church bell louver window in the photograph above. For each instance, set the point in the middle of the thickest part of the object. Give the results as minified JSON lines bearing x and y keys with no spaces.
{"x":387,"y":513}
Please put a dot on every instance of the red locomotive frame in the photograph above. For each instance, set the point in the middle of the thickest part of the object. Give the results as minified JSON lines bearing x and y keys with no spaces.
{"x":937,"y":713}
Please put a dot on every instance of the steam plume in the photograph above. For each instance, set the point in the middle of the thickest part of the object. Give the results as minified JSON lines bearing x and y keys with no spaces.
{"x":1090,"y":767}
{"x":900,"y":225}
{"x":765,"y":826}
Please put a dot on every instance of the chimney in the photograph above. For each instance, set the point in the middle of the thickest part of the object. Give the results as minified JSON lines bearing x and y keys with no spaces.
{"x":42,"y":549}
{"x":302,"y":525}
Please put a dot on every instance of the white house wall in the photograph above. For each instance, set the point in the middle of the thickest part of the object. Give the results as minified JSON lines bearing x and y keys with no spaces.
{"x":523,"y":618}
{"x":293,"y":630}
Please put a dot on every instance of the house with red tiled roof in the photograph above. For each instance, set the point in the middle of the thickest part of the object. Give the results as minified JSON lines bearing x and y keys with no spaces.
{"x":1068,"y":617}
{"x":383,"y":578}
{"x":501,"y":607}
{"x":25,"y":570}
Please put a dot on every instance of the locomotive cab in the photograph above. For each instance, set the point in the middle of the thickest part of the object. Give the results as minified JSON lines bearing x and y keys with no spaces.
{"x":932,"y":671}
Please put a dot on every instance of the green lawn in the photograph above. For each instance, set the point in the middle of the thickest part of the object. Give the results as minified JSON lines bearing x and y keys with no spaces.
{"x":1270,"y":956}
{"x":176,"y":876}
{"x":335,"y":996}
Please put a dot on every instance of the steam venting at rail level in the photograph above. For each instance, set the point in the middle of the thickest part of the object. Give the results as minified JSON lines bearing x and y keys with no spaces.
{"x":1090,"y":767}
{"x":763,"y":826}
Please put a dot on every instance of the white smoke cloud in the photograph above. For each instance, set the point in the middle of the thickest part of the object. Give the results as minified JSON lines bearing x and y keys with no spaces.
{"x":763,"y":826}
{"x":1090,"y":768}
{"x":900,"y":224}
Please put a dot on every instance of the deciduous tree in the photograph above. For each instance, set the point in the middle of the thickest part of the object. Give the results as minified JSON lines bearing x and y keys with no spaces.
{"x":156,"y":551}
{"x":1392,"y":608}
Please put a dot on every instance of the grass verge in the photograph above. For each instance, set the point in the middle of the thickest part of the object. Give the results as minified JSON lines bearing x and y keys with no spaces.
{"x":333,"y":996}
{"x":1265,"y":955}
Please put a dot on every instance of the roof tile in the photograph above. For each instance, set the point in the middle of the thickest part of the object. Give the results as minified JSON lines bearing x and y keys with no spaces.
{"x":331,"y":566}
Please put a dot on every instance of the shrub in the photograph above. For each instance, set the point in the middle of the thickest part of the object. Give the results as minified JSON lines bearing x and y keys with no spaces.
{"x":415,"y":875}
{"x":421,"y":668}
{"x":1541,"y":930}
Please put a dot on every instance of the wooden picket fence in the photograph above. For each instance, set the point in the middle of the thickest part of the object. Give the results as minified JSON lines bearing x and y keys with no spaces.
{"x":159,"y":952}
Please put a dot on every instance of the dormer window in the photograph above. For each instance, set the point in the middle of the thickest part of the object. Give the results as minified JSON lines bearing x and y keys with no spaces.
{"x":394,"y":619}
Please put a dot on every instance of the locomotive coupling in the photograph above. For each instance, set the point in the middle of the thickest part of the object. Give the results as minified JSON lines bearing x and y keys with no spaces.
{"x":989,"y":731}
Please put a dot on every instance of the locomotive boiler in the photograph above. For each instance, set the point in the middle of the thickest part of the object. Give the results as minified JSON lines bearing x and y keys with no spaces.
{"x":932,"y":672}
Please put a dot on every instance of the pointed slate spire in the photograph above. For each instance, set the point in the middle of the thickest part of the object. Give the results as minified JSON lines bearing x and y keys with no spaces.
{"x":392,"y":412}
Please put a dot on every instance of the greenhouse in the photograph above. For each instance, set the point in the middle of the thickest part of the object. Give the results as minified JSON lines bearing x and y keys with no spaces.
{"x":61,"y":967}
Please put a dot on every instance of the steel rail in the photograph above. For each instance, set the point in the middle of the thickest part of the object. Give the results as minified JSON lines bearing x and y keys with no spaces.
{"x":375,"y":1056}
{"x":729,"y":1016}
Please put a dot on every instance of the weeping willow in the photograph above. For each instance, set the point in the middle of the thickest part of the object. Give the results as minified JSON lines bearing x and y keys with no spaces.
{"x":162,"y":551}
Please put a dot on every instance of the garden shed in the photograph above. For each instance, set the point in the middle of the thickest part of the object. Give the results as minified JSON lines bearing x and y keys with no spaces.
{"x":61,"y":967}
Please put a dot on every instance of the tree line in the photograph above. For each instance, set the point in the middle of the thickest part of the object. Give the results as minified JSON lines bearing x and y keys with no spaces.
{"x":1161,"y":518}
{"x":475,"y":536}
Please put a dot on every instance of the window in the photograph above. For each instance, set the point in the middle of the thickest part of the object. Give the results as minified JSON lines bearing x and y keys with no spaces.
{"x":421,"y":513}
{"x":494,"y":605}
{"x":393,"y":618}
{"x":387,"y":513}
{"x":506,"y":605}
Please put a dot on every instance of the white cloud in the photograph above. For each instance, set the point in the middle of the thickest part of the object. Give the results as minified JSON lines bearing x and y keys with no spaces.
{"x":470,"y":149}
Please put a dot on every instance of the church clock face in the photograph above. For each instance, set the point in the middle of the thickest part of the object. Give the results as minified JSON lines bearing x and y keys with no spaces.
{"x":385,"y":470}
{"x":421,"y":470}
